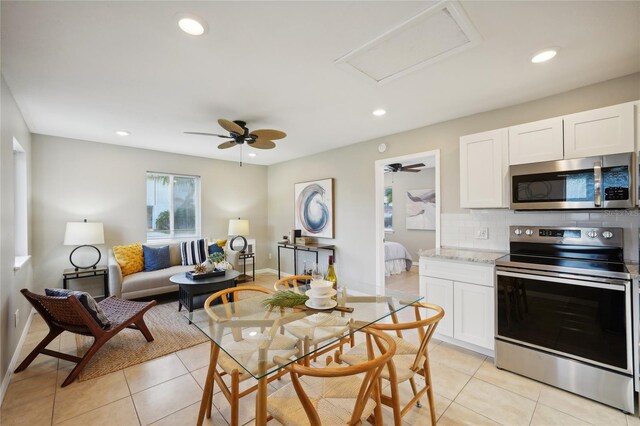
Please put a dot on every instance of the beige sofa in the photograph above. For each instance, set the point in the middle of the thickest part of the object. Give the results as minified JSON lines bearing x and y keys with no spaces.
{"x":142,"y":284}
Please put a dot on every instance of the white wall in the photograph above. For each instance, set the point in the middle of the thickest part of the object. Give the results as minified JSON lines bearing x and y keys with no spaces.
{"x":75,"y":180}
{"x":13,"y":126}
{"x":353,"y":169}
{"x":401,"y":182}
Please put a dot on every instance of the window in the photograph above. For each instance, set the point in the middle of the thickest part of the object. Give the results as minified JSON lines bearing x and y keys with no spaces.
{"x":21,"y":217}
{"x":173,"y":206}
{"x":388,"y":209}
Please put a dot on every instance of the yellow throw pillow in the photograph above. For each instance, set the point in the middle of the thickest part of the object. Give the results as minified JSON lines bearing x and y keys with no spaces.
{"x":130,"y":258}
{"x":221,"y":243}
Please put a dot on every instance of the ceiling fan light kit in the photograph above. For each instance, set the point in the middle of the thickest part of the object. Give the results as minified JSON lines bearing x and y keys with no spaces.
{"x":240,"y":134}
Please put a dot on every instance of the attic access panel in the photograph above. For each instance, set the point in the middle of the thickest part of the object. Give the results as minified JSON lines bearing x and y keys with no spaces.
{"x":438,"y":32}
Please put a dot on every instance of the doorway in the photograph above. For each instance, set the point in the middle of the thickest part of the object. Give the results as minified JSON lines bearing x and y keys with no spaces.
{"x":407,"y":219}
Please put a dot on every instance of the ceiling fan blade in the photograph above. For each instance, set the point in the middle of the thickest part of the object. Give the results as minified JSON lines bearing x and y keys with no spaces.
{"x":226,"y":145}
{"x":263,"y":144}
{"x":208,"y":134}
{"x":268,"y":134}
{"x":230,"y":126}
{"x":413,"y":165}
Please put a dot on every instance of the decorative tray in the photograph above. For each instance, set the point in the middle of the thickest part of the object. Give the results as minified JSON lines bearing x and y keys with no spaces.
{"x":198,"y":276}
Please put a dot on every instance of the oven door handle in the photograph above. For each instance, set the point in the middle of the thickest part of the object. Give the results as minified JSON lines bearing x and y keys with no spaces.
{"x":558,"y":279}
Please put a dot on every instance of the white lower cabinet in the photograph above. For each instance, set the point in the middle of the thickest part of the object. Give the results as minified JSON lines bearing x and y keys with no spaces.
{"x":473,"y":316}
{"x":469,"y":306}
{"x":440,"y":292}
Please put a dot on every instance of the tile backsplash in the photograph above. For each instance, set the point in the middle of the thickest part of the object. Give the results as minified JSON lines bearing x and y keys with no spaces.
{"x":461,"y":229}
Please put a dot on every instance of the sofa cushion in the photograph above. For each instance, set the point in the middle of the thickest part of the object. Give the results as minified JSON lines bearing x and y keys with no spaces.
{"x":152,"y":279}
{"x":193,"y":252}
{"x":130,"y":258}
{"x":156,"y":258}
{"x":86,"y":300}
{"x":215,"y":248}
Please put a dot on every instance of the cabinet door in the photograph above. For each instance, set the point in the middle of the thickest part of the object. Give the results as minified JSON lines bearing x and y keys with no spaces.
{"x":600,"y":131}
{"x":484,"y":169}
{"x":474,"y":314}
{"x":440,"y":292}
{"x":535,"y":142}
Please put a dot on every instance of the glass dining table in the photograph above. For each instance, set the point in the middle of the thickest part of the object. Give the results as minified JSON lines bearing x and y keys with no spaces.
{"x":252,"y":334}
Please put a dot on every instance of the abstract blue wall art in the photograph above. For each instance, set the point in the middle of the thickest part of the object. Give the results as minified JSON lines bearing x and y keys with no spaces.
{"x":314,"y":208}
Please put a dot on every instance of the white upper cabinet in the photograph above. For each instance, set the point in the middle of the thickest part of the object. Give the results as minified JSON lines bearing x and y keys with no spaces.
{"x":484,"y":169}
{"x":600,"y":131}
{"x":536,"y":142}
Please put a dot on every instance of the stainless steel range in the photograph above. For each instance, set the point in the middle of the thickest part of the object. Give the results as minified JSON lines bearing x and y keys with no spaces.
{"x":563,"y":300}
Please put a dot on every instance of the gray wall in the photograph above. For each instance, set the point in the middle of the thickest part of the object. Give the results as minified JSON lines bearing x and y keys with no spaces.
{"x":401,"y":182}
{"x":11,"y":281}
{"x":75,"y":180}
{"x":353,"y":169}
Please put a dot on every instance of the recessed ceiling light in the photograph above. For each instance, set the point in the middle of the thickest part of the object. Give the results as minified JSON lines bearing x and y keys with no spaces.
{"x":379,"y":112}
{"x":544,"y":55}
{"x":122,"y":133}
{"x":252,"y":154}
{"x":192,"y":25}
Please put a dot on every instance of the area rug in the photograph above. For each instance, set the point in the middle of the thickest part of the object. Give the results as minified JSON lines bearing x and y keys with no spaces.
{"x":171,"y":332}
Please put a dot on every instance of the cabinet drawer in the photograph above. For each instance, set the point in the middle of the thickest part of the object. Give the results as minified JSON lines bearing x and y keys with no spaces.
{"x":481,"y":274}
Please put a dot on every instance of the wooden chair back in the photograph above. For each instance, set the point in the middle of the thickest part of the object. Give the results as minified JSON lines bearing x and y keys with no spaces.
{"x":371,"y":370}
{"x":66,"y":313}
{"x":290,"y":283}
{"x":425,"y":327}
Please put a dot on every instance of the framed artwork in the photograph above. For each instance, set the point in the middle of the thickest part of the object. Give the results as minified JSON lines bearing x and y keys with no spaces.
{"x":313,"y":203}
{"x":421,"y":209}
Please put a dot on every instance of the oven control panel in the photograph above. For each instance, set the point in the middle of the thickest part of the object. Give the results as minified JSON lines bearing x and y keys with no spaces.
{"x":611,"y":237}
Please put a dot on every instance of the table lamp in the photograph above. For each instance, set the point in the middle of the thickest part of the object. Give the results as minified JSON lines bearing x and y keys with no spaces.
{"x":84,"y":234}
{"x":238,"y":228}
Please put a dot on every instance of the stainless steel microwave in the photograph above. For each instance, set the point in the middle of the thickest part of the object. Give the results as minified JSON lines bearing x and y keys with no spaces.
{"x":605,"y":182}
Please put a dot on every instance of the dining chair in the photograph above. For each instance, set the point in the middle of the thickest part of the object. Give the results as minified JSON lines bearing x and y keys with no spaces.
{"x":291,"y":282}
{"x":244,"y":341}
{"x":312,"y":332}
{"x":409,"y":359}
{"x":334,"y":394}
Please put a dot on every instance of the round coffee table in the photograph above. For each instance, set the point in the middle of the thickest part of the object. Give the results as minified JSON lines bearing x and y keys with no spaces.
{"x":205,"y":286}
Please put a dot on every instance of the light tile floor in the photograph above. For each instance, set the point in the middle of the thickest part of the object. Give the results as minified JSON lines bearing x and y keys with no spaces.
{"x":167,"y":391}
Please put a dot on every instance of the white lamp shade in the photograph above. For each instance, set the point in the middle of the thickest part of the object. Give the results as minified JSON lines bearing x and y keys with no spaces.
{"x":83,"y":233}
{"x":238,"y":227}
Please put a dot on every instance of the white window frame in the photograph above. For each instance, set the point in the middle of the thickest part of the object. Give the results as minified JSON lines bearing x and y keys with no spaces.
{"x":21,"y":205}
{"x":198,"y":198}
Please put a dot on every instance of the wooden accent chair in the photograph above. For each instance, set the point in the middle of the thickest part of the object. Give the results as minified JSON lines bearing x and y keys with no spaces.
{"x":68,"y":314}
{"x":328,"y":332}
{"x":409,"y":359}
{"x":335,"y":394}
{"x":282,"y":345}
{"x":290,"y":283}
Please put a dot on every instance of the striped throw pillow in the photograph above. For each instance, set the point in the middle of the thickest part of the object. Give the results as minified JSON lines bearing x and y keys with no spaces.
{"x":193,"y":252}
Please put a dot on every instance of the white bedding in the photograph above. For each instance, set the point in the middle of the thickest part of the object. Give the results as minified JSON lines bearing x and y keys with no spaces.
{"x":397,"y":258}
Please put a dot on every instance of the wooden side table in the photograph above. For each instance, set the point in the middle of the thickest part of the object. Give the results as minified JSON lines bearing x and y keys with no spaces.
{"x":72,"y":274}
{"x":244,"y":277}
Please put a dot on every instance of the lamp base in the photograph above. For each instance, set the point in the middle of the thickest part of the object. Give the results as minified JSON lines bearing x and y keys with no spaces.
{"x":92,"y":266}
{"x":244,"y":241}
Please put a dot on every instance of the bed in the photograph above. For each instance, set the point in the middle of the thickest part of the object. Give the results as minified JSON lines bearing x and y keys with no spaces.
{"x":396,"y":258}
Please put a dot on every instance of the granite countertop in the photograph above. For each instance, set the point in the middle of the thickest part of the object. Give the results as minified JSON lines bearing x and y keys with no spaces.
{"x":633,"y":268}
{"x":464,"y":255}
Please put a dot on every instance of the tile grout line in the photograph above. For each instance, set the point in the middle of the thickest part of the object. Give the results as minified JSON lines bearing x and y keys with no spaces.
{"x":131,"y":396}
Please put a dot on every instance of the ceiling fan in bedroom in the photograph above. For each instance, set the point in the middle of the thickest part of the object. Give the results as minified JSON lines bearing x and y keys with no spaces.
{"x":398,"y":167}
{"x":240,"y":135}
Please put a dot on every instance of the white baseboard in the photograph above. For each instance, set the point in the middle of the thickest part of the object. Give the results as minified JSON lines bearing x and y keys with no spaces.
{"x":273,"y":271}
{"x":16,"y":355}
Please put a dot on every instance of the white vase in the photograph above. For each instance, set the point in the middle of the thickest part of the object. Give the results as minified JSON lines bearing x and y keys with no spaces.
{"x":209,"y":265}
{"x":224,"y":265}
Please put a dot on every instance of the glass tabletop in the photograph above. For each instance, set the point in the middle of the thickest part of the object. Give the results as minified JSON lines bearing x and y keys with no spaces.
{"x":252,"y":334}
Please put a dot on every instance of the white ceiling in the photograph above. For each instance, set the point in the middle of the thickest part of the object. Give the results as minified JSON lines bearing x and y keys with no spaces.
{"x":85,"y":69}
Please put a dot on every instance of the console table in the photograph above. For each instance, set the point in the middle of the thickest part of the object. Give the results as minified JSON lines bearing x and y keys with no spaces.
{"x":303,"y":247}
{"x":76,"y":274}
